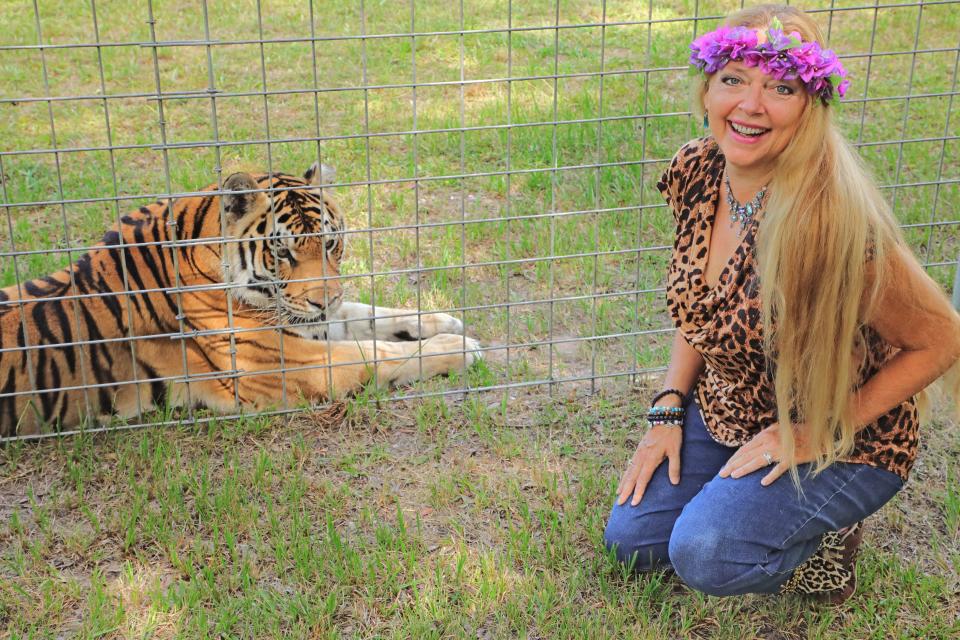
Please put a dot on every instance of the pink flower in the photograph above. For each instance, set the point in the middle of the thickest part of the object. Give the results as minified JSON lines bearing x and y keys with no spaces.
{"x":782,"y":56}
{"x":779,"y":41}
{"x":806,"y":59}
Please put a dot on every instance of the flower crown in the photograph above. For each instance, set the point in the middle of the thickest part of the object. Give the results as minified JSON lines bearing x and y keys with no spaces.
{"x":783,"y":56}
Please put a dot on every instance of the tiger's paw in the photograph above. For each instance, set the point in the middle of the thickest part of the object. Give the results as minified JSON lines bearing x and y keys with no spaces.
{"x":462,"y":350}
{"x":428,"y":325}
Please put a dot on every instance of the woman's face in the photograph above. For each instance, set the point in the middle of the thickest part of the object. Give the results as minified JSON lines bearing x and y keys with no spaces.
{"x":752,"y":116}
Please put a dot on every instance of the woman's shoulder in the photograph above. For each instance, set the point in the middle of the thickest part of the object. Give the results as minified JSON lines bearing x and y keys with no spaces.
{"x":694,"y":157}
{"x":696,"y":153}
{"x":689,"y":166}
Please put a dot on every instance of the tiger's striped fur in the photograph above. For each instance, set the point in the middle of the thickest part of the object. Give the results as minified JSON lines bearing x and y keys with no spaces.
{"x":78,"y":344}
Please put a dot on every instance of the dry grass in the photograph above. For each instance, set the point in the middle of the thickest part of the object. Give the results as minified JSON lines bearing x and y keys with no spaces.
{"x":453,"y":519}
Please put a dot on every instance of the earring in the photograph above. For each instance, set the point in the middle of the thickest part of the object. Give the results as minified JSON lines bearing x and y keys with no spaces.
{"x":706,"y":122}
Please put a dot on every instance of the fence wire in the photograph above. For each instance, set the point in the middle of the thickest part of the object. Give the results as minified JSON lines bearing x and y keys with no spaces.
{"x":496,"y":161}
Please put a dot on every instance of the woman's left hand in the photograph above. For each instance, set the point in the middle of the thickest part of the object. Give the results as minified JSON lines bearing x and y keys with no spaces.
{"x":764,"y":450}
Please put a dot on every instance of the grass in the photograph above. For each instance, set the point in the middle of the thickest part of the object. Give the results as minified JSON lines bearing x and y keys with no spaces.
{"x":477,"y":517}
{"x":430,"y":519}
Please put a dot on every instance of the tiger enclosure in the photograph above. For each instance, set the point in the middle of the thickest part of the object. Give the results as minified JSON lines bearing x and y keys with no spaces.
{"x":358,"y":305}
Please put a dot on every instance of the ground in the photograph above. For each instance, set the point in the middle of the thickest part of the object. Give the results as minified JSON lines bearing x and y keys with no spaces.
{"x":470,"y":517}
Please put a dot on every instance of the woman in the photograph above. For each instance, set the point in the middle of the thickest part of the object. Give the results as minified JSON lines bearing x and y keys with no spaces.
{"x":793,"y":297}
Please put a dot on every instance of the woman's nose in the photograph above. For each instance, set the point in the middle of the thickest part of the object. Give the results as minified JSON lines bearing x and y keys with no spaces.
{"x":752,"y":101}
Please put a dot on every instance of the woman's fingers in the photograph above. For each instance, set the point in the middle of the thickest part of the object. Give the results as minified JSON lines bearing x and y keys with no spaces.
{"x":626,"y":482}
{"x":674,"y":466}
{"x":625,"y":479}
{"x":643,"y":479}
{"x":740,"y":456}
{"x":778,"y":470}
{"x":750,"y":452}
{"x":658,"y":444}
{"x":763,"y":450}
{"x":737,"y":460}
{"x":636,"y":478}
{"x":629,"y":479}
{"x":750,"y":457}
{"x":749,"y":466}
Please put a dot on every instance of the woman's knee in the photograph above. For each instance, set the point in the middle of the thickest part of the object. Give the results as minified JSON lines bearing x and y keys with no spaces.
{"x":699,"y":555}
{"x":638,"y":542}
{"x":637,"y":557}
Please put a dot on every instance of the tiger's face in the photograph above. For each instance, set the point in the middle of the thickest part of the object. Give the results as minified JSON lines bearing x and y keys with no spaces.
{"x":286,"y":245}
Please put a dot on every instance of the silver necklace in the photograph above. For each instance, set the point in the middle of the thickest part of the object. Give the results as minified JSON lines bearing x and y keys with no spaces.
{"x":743,"y":213}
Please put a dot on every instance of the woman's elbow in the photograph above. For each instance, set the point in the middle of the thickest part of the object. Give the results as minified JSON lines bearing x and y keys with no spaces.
{"x":953,"y":338}
{"x":949,"y":346}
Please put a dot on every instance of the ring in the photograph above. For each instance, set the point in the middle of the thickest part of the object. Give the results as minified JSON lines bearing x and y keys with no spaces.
{"x":768,"y":457}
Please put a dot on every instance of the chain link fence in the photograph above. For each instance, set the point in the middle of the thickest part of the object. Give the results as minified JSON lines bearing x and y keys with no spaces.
{"x":496,"y":161}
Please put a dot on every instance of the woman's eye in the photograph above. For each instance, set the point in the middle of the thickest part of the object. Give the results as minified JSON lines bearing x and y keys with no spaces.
{"x":784,"y":90}
{"x":730,"y":80}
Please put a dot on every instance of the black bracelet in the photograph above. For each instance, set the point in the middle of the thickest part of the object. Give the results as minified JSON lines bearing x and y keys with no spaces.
{"x":669,"y":392}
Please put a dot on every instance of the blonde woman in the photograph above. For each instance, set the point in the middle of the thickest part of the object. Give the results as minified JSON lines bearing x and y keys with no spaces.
{"x":805,"y":330}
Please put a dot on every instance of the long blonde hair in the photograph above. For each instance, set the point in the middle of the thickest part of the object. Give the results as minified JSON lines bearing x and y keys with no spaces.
{"x":824,"y":216}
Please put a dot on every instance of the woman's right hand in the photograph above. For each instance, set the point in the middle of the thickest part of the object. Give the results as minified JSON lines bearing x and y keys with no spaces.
{"x":658,"y":443}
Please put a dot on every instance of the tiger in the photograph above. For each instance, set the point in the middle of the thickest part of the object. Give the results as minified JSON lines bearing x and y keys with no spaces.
{"x":228,"y":299}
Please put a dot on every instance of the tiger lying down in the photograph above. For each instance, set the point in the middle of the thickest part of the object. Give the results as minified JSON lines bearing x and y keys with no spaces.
{"x":66,"y":354}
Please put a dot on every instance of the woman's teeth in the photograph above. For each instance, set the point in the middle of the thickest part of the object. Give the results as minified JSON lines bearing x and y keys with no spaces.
{"x":747,"y":131}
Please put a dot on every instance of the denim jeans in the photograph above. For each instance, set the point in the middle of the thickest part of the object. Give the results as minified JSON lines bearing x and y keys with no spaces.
{"x":726,"y":536}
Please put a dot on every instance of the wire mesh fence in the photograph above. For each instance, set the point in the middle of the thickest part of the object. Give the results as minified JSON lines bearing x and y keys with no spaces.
{"x":495,"y":164}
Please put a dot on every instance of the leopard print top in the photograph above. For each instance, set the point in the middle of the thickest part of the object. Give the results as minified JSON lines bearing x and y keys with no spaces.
{"x":723,"y":323}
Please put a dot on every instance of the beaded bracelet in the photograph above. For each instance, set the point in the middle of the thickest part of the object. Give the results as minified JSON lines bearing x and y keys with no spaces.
{"x":668,"y":392}
{"x":669,"y":416}
{"x":671,"y":423}
{"x":665,"y":423}
{"x":666,"y":411}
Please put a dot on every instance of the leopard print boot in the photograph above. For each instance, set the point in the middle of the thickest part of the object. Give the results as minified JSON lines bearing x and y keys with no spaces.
{"x":829,"y":575}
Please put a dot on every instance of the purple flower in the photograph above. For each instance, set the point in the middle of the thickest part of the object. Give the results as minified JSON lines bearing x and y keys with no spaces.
{"x":753,"y":57}
{"x":779,"y":55}
{"x":775,"y":63}
{"x":740,"y":39}
{"x":829,"y":64}
{"x":842,"y":87}
{"x":712,"y":51}
{"x":779,"y":41}
{"x":806,"y":60}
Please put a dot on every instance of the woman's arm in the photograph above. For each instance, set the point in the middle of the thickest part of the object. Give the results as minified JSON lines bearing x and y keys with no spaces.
{"x":914,"y":315}
{"x":686,"y":365}
{"x":661,"y":441}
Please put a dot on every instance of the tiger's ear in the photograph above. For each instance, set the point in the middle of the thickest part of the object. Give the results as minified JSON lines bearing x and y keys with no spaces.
{"x":320,"y":174}
{"x":239,"y":204}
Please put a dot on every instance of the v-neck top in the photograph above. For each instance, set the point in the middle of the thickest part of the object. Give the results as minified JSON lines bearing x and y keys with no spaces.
{"x":723,"y":323}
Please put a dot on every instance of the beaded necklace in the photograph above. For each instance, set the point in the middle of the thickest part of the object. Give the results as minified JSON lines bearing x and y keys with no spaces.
{"x":743,"y":213}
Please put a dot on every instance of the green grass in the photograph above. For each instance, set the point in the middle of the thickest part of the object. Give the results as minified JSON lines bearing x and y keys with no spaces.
{"x":434,"y":518}
{"x":430,"y":519}
{"x":528,"y":234}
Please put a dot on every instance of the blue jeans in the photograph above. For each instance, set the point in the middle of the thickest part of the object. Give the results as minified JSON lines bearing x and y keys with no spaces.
{"x":726,"y":536}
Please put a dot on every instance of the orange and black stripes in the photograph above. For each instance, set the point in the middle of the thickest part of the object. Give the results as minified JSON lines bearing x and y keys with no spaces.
{"x":117,"y":318}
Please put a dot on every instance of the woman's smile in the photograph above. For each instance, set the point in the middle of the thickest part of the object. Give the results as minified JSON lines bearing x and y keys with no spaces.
{"x":752,"y":116}
{"x":746,"y":133}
